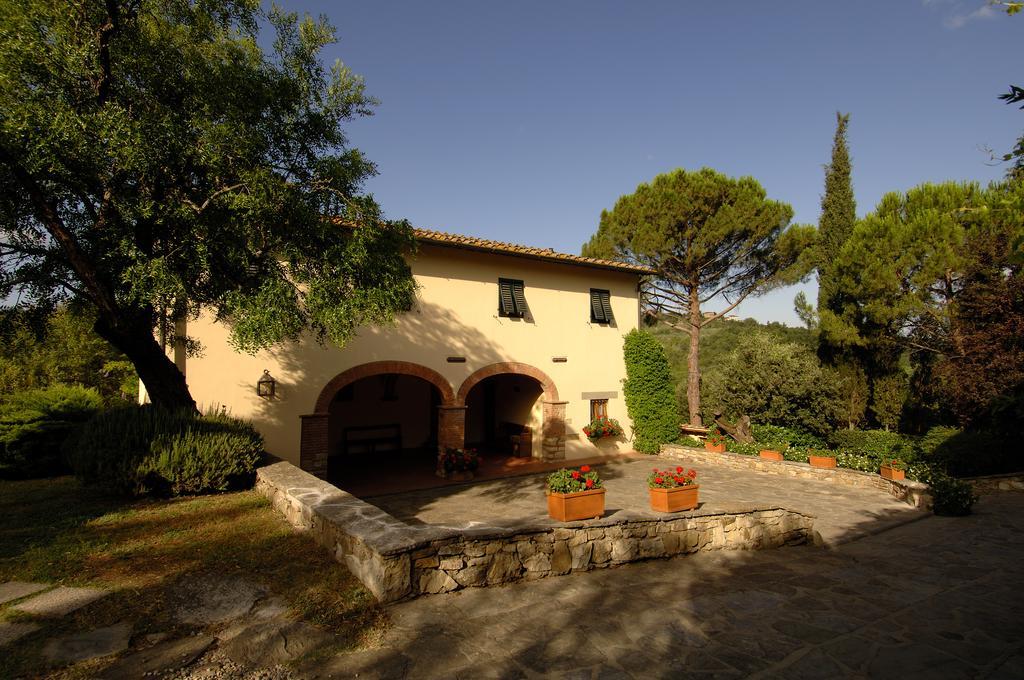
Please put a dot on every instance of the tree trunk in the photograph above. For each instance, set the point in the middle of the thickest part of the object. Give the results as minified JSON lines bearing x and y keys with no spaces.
{"x":164,"y":383}
{"x":693,"y":360}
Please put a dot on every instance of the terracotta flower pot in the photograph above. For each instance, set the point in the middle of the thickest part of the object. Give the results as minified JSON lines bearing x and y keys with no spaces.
{"x":892,"y":473}
{"x":674,"y":500}
{"x":569,"y":507}
{"x":822,"y":461}
{"x":716,"y":448}
{"x":770,"y":454}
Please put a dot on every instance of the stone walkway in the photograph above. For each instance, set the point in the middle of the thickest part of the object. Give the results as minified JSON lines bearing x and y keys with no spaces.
{"x":842,"y":513}
{"x":939,"y":598}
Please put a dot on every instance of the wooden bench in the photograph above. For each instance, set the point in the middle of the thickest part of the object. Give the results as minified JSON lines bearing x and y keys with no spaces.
{"x":371,"y":439}
{"x":697,"y":430}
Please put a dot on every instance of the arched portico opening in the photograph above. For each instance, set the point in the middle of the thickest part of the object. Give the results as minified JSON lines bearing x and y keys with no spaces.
{"x":377,"y":417}
{"x":513,"y":409}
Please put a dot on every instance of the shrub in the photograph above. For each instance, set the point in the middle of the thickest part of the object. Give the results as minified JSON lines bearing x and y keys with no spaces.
{"x":34,"y":424}
{"x":650,"y":398}
{"x":879,"y":444}
{"x":690,"y":440}
{"x":773,"y":434}
{"x":856,"y":461}
{"x":734,"y":446}
{"x":143,"y":449}
{"x":966,"y":454}
{"x":952,"y":497}
{"x":775,"y":382}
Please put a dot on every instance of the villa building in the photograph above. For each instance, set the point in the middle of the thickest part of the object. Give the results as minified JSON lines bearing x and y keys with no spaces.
{"x":509,"y":349}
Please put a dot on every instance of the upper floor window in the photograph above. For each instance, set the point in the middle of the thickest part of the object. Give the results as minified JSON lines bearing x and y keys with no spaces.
{"x":600,"y":306}
{"x":511,"y":298}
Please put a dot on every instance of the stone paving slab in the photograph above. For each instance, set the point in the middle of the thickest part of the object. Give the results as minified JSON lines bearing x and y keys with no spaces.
{"x":15,"y":590}
{"x":60,"y":601}
{"x":91,"y":644}
{"x":9,"y":632}
{"x":841,"y":513}
{"x":938,"y":598}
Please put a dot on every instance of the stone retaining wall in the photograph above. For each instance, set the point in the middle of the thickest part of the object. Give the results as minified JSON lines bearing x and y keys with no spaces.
{"x":996,"y":483}
{"x":912,"y":493}
{"x":397,"y":560}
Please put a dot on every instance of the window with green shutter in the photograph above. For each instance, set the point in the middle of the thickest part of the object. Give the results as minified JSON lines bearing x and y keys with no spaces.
{"x":600,"y":306}
{"x":511,"y":298}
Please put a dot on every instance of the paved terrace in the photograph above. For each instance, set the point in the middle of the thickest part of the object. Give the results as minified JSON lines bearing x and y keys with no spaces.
{"x":940,"y":598}
{"x":842,"y":513}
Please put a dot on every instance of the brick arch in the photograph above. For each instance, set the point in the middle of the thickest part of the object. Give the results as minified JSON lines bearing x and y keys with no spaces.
{"x":505,"y":368}
{"x":355,"y":373}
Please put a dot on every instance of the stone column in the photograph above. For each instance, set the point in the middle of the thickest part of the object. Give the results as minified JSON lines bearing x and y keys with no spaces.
{"x":313,"y":444}
{"x":554,"y":430}
{"x":451,"y":431}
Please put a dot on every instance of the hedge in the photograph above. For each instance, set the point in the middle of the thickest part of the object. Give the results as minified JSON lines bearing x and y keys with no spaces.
{"x":143,"y":449}
{"x":34,"y":425}
{"x":650,"y":397}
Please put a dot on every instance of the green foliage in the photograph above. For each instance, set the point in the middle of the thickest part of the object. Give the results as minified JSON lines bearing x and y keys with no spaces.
{"x":571,"y":481}
{"x":838,"y":215}
{"x":888,"y":398}
{"x":690,"y":440}
{"x":153,"y":156}
{"x":64,"y":350}
{"x":718,"y":343}
{"x":648,"y":391}
{"x":145,"y":449}
{"x":969,"y":453}
{"x":880,"y":444}
{"x":771,"y":434}
{"x":706,"y":235}
{"x":951,"y":497}
{"x":936,"y":437}
{"x":34,"y":424}
{"x":733,"y":446}
{"x":775,"y":383}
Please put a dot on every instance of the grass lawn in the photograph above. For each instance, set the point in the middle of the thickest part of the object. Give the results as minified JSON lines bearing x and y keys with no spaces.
{"x":58,"y":531}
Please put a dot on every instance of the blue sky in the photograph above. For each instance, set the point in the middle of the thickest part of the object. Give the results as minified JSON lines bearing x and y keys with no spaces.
{"x":521,"y":121}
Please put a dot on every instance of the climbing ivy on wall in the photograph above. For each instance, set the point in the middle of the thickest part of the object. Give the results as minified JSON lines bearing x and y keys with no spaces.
{"x":650,"y":396}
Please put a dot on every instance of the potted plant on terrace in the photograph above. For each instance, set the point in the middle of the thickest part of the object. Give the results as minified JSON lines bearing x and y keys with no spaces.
{"x":819,"y":461}
{"x":460,"y":464}
{"x":773,"y":451}
{"x":575,"y":494}
{"x":673,"y":490}
{"x":894,"y":469}
{"x":600,"y":428}
{"x":715,"y":440}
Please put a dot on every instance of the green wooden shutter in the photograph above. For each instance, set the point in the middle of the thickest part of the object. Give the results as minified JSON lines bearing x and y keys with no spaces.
{"x":520,"y":298}
{"x":600,"y":306}
{"x":506,"y":306}
{"x":606,"y":305}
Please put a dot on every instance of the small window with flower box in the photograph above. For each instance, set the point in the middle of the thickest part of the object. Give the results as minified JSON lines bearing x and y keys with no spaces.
{"x":598,"y":409}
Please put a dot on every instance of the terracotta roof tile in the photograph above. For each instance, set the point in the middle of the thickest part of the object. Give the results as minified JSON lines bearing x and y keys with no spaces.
{"x":472,"y":243}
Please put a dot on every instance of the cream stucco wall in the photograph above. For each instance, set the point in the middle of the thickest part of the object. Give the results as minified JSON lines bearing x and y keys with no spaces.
{"x":456,"y":316}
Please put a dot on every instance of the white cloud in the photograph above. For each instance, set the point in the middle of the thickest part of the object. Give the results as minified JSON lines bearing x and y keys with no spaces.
{"x":959,"y":20}
{"x":959,"y":13}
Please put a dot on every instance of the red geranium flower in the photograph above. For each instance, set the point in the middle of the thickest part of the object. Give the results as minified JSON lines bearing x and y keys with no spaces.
{"x":590,"y":483}
{"x":658,"y":480}
{"x":585,"y":468}
{"x":575,"y":474}
{"x":679,"y":470}
{"x":692,"y":474}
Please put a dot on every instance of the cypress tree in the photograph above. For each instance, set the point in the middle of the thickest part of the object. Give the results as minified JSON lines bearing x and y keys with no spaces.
{"x":838,"y":215}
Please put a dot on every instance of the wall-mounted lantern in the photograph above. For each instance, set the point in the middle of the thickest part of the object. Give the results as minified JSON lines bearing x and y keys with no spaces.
{"x":266,"y":386}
